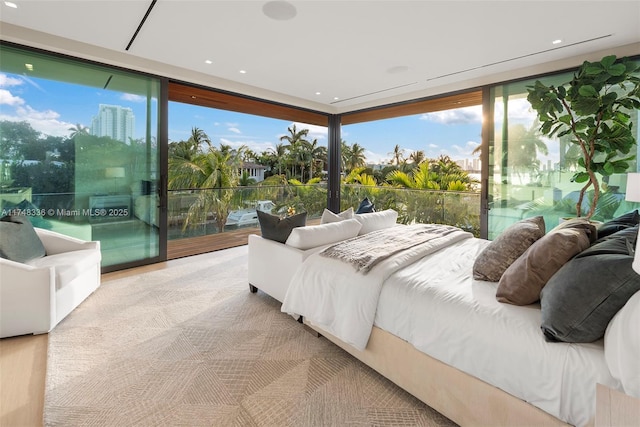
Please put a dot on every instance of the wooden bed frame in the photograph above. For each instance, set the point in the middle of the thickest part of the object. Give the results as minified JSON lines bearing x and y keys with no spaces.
{"x":461,"y":397}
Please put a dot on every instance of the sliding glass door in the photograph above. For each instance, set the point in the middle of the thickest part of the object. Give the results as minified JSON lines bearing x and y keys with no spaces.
{"x":79,"y":152}
{"x":530,"y":174}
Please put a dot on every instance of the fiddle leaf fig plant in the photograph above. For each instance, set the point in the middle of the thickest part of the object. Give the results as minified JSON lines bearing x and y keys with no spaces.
{"x":594,"y":109}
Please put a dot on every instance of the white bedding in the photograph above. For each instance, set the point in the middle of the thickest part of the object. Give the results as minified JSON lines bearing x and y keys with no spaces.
{"x":436,"y":305}
{"x":335,"y":296}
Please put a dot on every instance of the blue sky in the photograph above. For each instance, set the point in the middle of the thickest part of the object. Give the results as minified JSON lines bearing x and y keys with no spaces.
{"x":454,"y":132}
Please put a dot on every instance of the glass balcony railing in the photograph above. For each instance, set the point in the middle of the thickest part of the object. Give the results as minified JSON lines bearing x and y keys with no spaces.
{"x":199,"y":212}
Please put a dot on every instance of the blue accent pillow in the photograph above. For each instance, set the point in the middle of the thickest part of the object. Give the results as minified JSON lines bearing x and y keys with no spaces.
{"x":20,"y":242}
{"x":275,"y":228}
{"x":366,"y":206}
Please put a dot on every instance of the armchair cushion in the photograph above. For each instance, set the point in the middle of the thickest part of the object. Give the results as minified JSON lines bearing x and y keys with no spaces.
{"x":68,"y":265}
{"x":19,"y":242}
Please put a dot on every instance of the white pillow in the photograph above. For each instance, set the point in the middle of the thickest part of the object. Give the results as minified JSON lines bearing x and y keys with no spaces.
{"x":377,"y":220}
{"x":622,"y":346}
{"x":328,"y":216}
{"x":312,"y":236}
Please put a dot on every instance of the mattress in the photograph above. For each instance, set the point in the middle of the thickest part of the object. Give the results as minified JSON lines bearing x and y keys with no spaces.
{"x":437,"y":306}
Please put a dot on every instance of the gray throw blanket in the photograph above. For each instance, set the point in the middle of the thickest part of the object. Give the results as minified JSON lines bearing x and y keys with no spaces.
{"x":365,"y":251}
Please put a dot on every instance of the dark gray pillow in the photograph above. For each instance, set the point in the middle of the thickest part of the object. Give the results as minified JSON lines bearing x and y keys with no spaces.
{"x":19,"y":241}
{"x":275,"y":228}
{"x":627,"y":220}
{"x":580,"y":300}
{"x":366,"y":206}
{"x":494,"y":259}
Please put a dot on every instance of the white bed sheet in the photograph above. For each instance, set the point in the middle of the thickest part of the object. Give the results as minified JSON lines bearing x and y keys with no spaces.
{"x":436,"y":305}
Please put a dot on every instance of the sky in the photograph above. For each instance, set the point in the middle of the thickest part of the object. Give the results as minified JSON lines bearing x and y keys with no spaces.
{"x":455,"y":133}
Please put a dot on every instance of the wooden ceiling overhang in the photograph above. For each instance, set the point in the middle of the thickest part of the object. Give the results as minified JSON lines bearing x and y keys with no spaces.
{"x":206,"y":97}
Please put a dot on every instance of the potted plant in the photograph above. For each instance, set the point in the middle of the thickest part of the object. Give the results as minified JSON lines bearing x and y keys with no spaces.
{"x":594,"y":110}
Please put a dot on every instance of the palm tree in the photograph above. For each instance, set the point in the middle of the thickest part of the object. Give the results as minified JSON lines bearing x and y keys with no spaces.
{"x":448,"y":172}
{"x":397,"y":155}
{"x":320,"y":157}
{"x":279,"y":152}
{"x":214,"y":173}
{"x":356,"y":157}
{"x":417,"y":157}
{"x":78,"y":129}
{"x":295,"y":139}
{"x":199,"y":137}
{"x":420,"y":178}
{"x":524,"y":146}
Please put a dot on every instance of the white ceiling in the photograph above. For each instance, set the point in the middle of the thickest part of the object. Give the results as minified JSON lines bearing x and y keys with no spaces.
{"x":355,"y":54}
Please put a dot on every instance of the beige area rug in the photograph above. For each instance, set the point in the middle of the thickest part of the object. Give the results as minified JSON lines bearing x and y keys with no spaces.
{"x":191,"y":346}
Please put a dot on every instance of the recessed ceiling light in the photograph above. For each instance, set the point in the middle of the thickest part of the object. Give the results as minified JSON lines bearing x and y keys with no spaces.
{"x":208,"y":61}
{"x":279,"y":10}
{"x":243,"y":71}
{"x":193,"y":97}
{"x":556,"y":41}
{"x":11,"y":4}
{"x":28,"y":67}
{"x":335,"y":98}
{"x":318,"y":93}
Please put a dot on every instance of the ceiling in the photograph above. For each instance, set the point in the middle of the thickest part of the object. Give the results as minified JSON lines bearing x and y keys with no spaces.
{"x":330,"y":56}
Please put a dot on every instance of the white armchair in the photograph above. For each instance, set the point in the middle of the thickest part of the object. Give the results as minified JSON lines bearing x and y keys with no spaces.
{"x":37,"y":295}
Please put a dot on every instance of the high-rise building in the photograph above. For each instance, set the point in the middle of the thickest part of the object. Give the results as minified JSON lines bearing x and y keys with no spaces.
{"x":115,"y":122}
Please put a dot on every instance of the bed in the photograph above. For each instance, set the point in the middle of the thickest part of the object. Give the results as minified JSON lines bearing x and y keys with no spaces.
{"x":420,"y":318}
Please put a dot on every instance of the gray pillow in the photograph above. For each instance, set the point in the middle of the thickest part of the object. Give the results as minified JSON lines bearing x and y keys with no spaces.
{"x":19,"y":241}
{"x":275,"y":228}
{"x":580,"y":300}
{"x":492,"y":262}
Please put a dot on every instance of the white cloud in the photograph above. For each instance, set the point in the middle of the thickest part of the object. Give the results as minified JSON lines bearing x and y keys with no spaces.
{"x":376,"y":158}
{"x":47,"y":122}
{"x":520,"y":111}
{"x":433,"y":145}
{"x":256,"y":146}
{"x":6,"y":98}
{"x":133,"y":98}
{"x":315,"y":131}
{"x":234,"y":130}
{"x":9,"y":81}
{"x":458,"y":116}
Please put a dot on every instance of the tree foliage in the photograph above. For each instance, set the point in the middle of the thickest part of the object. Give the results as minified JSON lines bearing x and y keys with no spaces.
{"x":593,"y":109}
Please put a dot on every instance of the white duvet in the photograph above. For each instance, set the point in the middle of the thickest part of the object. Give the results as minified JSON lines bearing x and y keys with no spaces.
{"x":335,"y":296}
{"x":433,"y":302}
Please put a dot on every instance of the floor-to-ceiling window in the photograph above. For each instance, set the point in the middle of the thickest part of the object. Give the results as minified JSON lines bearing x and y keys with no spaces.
{"x":530,"y":174}
{"x":79,"y":152}
{"x":231,"y":156}
{"x":225,"y":165}
{"x":421,"y":159}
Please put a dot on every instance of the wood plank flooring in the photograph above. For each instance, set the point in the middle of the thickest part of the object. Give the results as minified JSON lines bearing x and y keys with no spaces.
{"x":23,"y":367}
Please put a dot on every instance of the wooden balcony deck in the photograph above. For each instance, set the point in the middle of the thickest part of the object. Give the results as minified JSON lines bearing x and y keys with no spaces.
{"x":179,"y":248}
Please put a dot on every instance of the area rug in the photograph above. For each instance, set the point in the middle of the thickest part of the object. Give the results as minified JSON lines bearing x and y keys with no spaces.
{"x":189,"y":345}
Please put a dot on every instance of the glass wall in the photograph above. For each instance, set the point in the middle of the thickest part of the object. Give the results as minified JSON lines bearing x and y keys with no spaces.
{"x":530,"y":174}
{"x":426,"y":166}
{"x":79,"y":151}
{"x":225,"y":165}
